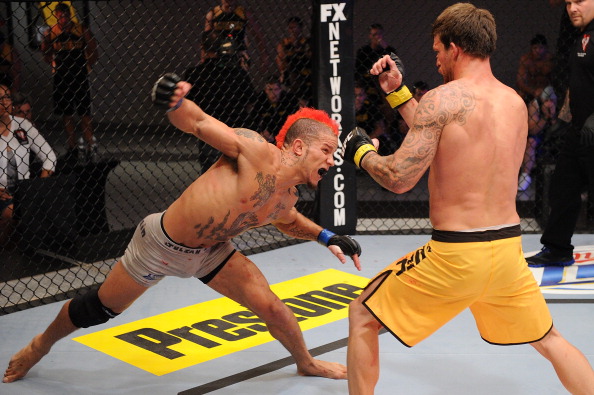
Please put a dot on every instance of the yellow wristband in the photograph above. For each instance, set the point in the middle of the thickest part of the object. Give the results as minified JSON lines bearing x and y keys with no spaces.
{"x":361,"y":153}
{"x":399,"y":96}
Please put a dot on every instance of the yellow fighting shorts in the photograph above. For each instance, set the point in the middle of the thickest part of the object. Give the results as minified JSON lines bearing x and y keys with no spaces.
{"x":483,"y":270}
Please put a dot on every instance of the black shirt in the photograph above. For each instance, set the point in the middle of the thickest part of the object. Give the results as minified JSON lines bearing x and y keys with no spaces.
{"x":581,"y":80}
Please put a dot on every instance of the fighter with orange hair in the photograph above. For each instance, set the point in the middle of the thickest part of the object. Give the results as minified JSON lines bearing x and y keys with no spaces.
{"x":306,"y":112}
{"x":252,"y":184}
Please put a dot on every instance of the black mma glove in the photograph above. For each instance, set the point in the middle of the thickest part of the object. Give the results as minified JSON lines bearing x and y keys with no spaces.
{"x":587,"y":132}
{"x":163,"y":90}
{"x":357,"y":144}
{"x":402,"y":94}
{"x":347,"y":244}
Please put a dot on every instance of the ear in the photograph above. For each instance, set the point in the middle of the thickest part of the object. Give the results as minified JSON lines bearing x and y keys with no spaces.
{"x":454,"y":50}
{"x":298,"y":147}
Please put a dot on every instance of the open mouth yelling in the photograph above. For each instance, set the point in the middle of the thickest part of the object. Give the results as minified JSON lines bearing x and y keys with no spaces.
{"x":322,"y":172}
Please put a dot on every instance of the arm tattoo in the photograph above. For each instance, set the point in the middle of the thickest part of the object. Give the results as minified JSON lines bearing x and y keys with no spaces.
{"x":295,"y":230}
{"x":439,"y":107}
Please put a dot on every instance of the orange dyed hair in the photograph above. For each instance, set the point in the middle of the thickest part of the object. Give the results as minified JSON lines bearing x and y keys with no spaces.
{"x":305,"y":113}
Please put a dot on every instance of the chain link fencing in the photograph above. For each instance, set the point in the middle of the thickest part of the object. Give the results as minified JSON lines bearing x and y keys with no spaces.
{"x":117,"y":159}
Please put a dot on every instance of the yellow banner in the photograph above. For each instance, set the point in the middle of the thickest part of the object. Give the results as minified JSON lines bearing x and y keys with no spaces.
{"x":185,"y":337}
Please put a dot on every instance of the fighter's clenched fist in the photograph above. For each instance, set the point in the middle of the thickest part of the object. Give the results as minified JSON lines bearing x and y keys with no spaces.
{"x":164,"y":90}
{"x":357,"y":144}
{"x":390,"y":72}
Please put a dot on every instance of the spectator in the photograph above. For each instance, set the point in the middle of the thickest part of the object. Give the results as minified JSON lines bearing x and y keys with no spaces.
{"x":542,"y":114}
{"x":419,"y":89}
{"x":574,"y":169}
{"x":18,"y":138}
{"x":231,"y":22}
{"x":10,"y":65}
{"x":72,"y":51}
{"x":211,"y":80}
{"x":271,"y":109}
{"x":367,"y":55}
{"x":368,"y":117}
{"x":534,"y":72}
{"x":293,"y":59}
{"x":566,"y":36}
{"x":21,"y":107}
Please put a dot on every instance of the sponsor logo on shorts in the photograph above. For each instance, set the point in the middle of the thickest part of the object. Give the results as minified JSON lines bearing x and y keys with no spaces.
{"x":185,"y":250}
{"x":185,"y":337}
{"x":413,"y":259}
{"x":142,"y":226}
{"x":153,"y":277}
{"x":575,"y":279}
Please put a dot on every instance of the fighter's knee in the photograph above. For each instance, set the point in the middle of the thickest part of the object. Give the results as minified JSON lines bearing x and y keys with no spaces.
{"x":547,"y":343}
{"x":356,"y":308}
{"x":87,"y":310}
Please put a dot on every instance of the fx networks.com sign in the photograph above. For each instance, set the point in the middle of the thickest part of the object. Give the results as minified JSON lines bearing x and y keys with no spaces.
{"x":334,"y":93}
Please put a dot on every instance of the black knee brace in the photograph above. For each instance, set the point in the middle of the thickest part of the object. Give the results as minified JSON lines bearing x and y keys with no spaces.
{"x":87,"y":310}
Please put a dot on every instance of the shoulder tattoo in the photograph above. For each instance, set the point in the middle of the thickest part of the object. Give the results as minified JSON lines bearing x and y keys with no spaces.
{"x":449,"y":103}
{"x":250,"y":134}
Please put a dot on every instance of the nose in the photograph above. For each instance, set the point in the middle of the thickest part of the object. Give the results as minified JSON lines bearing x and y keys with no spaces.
{"x":331,"y":160}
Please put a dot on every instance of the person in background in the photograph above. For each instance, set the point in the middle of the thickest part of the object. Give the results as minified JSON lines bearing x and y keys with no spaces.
{"x":368,"y":117}
{"x":367,"y":55}
{"x":18,"y":139}
{"x":293,"y":60}
{"x":574,"y":168}
{"x":419,"y":89}
{"x":21,"y":107}
{"x":71,"y":50}
{"x":534,"y":75}
{"x":233,"y":25}
{"x":271,"y":109}
{"x":542,"y":114}
{"x":534,"y":72}
{"x":10,"y":65}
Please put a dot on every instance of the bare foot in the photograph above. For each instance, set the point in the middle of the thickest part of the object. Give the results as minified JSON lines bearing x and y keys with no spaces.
{"x":22,"y":361}
{"x":331,"y":370}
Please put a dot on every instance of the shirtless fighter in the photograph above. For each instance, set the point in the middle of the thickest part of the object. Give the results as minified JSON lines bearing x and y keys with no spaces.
{"x":252,"y":184}
{"x":471,"y":132}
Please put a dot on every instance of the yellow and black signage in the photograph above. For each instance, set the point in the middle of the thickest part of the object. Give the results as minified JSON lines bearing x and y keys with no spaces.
{"x":175,"y":340}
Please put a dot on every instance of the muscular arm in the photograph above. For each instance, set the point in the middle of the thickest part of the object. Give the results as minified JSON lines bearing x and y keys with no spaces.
{"x":190,"y":118}
{"x":400,"y":171}
{"x":298,"y":226}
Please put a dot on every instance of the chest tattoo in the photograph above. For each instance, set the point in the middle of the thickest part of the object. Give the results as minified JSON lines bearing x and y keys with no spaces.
{"x":265,"y":189}
{"x":222,"y":231}
{"x":277,"y":209}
